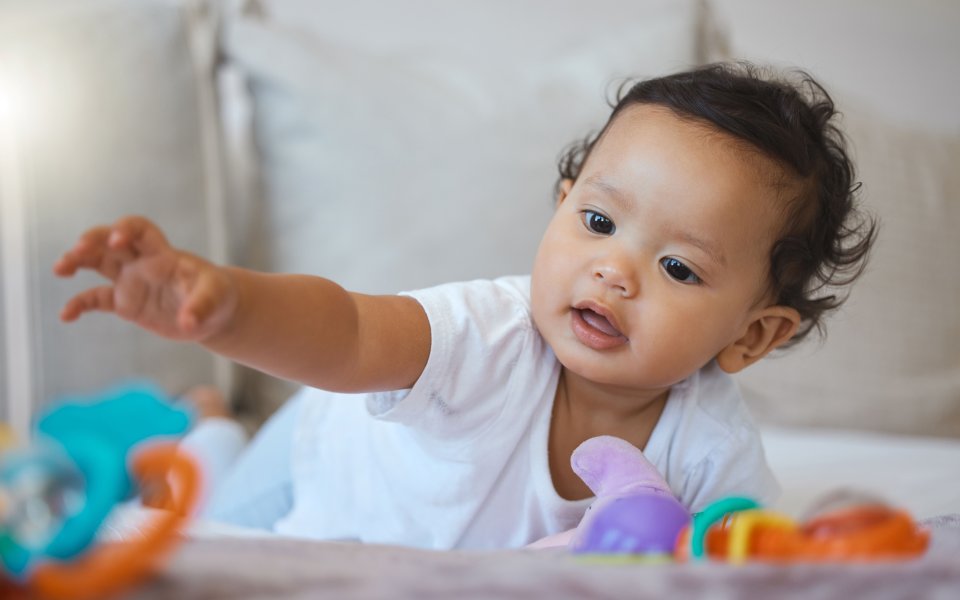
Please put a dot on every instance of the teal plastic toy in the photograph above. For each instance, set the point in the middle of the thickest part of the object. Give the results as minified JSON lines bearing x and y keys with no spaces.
{"x":56,"y":493}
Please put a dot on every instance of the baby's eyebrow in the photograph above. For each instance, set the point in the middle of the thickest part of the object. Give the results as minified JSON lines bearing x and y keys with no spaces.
{"x":710,"y":249}
{"x":622,"y":200}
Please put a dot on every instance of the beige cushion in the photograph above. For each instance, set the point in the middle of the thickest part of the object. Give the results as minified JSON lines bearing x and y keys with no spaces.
{"x":120,"y":132}
{"x":891,"y":360}
{"x":400,"y":151}
{"x":900,"y":57}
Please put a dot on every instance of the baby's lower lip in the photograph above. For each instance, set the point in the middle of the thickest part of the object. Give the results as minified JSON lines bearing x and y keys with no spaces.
{"x":592,"y":337}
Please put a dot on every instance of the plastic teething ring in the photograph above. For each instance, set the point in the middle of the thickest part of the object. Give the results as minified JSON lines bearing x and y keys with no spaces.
{"x":110,"y":568}
{"x":869,"y":532}
{"x":865,"y":533}
{"x":713,"y":513}
{"x":745,"y":523}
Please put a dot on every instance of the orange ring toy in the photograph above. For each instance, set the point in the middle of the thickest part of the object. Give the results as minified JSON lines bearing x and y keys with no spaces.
{"x":862,"y":533}
{"x":113,"y":567}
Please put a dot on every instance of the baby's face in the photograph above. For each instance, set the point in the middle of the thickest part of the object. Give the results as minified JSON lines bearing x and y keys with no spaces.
{"x":657,"y":257}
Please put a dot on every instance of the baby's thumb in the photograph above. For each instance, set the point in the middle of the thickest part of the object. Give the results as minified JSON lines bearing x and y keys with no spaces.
{"x":197,"y":308}
{"x":187,"y":321}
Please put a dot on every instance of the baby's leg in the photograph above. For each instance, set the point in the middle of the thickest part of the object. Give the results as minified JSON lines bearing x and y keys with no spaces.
{"x":216,"y":440}
{"x":216,"y":444}
{"x":255,"y":489}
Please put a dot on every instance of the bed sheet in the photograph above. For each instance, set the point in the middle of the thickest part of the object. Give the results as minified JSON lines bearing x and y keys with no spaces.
{"x":919,"y":474}
{"x":255,"y":568}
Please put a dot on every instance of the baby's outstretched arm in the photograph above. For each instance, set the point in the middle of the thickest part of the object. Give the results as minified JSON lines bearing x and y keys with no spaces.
{"x":297,"y":327}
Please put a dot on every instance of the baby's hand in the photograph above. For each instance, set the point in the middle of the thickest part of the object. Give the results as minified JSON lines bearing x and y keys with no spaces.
{"x":164,"y":290}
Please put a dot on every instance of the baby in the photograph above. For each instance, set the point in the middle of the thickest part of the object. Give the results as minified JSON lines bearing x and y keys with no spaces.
{"x":698,"y":231}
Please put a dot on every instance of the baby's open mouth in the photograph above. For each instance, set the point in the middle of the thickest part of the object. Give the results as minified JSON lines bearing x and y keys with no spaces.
{"x":599,"y":322}
{"x":594,"y":329}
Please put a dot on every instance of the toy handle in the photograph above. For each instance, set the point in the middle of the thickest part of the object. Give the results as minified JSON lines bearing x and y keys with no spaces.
{"x":103,"y":471}
{"x":110,"y":568}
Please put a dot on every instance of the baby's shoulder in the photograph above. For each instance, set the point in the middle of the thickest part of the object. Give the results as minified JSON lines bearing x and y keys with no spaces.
{"x":513,"y":290}
{"x":711,"y":408}
{"x":485,"y":298}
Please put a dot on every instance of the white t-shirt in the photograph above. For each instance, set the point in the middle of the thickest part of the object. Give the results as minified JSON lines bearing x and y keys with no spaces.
{"x":460,"y":460}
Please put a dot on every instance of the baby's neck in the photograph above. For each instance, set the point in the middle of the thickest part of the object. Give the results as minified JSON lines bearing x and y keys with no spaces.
{"x":582,"y":410}
{"x":607,"y":409}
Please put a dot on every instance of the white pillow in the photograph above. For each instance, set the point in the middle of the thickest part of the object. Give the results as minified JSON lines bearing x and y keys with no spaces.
{"x":909,"y":472}
{"x":408,"y":144}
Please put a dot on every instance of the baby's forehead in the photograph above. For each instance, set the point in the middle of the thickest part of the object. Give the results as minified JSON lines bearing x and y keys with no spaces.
{"x":770,"y":167}
{"x":778,"y":182}
{"x":654,"y":125}
{"x":695,"y":170}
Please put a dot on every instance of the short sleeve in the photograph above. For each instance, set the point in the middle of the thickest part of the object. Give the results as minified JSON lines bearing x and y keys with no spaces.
{"x":481,"y":332}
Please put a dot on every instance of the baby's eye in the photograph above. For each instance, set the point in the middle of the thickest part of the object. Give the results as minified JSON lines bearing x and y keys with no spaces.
{"x":679,"y":271}
{"x":598,"y":223}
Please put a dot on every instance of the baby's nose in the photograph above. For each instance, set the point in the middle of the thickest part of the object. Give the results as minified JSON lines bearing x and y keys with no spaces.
{"x":618,"y":275}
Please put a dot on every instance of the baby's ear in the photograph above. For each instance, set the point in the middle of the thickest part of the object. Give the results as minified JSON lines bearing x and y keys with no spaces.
{"x":771,"y":327}
{"x":563,"y":190}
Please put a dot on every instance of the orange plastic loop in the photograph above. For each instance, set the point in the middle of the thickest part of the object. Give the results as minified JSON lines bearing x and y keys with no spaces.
{"x":113,"y":567}
{"x":745,"y":523}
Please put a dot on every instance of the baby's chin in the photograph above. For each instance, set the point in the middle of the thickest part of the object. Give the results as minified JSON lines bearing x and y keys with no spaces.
{"x":623,"y":371}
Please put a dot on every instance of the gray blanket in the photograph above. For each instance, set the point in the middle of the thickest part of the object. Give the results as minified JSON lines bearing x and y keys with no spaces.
{"x":275,"y":568}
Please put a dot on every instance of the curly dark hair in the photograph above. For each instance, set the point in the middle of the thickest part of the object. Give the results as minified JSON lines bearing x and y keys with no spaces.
{"x":791,"y":119}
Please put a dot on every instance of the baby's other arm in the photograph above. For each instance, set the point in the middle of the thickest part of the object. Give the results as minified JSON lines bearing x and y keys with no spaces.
{"x":297,"y":327}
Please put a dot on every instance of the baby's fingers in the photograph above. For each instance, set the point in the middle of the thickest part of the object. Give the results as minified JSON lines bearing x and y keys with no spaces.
{"x":86,"y":253}
{"x":98,"y":298}
{"x":137,"y":234}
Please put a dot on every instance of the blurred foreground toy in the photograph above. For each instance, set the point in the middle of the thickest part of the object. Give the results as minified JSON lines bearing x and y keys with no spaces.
{"x":7,"y":437}
{"x":87,"y":456}
{"x":737,"y":530}
{"x":634,"y":513}
{"x":636,"y":518}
